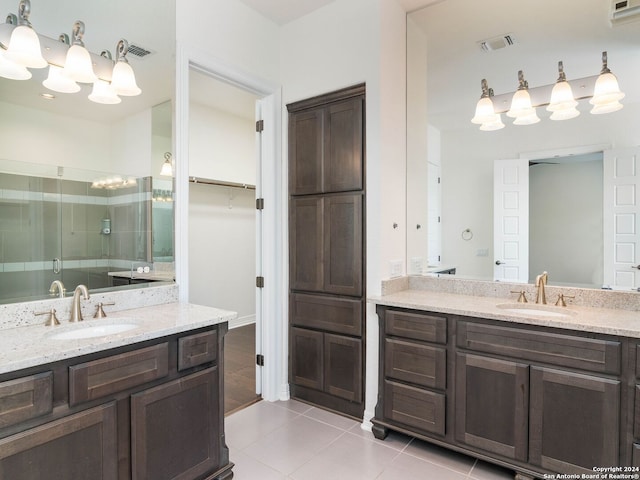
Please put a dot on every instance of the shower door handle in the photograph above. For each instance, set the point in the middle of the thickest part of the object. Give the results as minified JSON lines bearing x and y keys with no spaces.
{"x":56,"y":265}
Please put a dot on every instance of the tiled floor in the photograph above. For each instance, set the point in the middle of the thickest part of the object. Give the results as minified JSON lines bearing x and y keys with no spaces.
{"x":294,"y":441}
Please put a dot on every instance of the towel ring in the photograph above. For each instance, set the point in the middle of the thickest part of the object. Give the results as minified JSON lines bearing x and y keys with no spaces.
{"x":467,"y":234}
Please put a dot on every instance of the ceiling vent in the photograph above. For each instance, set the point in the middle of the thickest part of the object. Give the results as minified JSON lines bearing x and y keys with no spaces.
{"x":496,"y":43}
{"x":139,"y":51}
{"x":624,"y":11}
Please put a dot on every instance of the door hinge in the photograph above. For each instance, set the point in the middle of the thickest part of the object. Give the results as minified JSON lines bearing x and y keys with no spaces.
{"x":259,"y":126}
{"x":438,"y":257}
{"x":259,"y":203}
{"x":438,"y":180}
{"x":439,"y":219}
{"x":260,"y":360}
{"x":260,"y":282}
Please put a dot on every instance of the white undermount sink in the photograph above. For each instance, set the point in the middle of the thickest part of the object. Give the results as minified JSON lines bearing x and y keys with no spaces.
{"x":81,"y":331}
{"x":530,"y":309}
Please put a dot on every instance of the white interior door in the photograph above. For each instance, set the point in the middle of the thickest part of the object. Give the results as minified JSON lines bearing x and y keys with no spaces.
{"x":260,"y":145}
{"x":511,"y":220}
{"x":621,"y":213}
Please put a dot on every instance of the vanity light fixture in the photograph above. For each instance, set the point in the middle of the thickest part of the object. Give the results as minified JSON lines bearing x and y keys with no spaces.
{"x":114,"y":183}
{"x":167,"y":166}
{"x":602,"y":91}
{"x":562,"y":104}
{"x":70,"y":63}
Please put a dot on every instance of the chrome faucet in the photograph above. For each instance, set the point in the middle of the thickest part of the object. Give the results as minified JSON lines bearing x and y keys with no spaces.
{"x":541,"y":281}
{"x":76,"y":312}
{"x":58,"y":286}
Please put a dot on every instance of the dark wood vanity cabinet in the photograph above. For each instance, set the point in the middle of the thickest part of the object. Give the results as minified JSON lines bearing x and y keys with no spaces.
{"x":326,"y":250}
{"x":148,"y":411}
{"x":537,"y":400}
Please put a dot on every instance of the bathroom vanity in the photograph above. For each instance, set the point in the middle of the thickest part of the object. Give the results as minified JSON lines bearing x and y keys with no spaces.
{"x":538,"y":389}
{"x":145,"y":403}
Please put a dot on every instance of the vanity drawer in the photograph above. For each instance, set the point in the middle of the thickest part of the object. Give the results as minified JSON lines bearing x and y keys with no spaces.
{"x":106,"y":376}
{"x":25,"y":398}
{"x":198,"y":349}
{"x":332,"y":314}
{"x":416,"y":363}
{"x":416,"y":326}
{"x":596,"y":355}
{"x":414,"y":407}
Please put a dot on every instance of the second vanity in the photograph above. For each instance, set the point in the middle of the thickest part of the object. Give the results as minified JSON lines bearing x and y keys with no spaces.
{"x":143,"y":401}
{"x":539,"y":389}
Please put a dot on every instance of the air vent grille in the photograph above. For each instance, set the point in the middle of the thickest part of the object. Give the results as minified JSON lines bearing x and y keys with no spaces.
{"x":139,"y":51}
{"x":496,"y":43}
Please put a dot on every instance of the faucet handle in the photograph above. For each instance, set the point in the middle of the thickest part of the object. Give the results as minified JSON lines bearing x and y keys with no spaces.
{"x":522,"y":296}
{"x":52,"y":321}
{"x":561,"y":297}
{"x":99,"y":310}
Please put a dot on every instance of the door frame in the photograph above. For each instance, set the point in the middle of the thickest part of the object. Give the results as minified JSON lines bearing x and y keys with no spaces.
{"x":270,"y":313}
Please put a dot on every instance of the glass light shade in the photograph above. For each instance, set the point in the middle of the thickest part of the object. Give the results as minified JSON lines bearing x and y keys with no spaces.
{"x":11,"y":70}
{"x":484,"y":111}
{"x":606,"y":108}
{"x":123,"y":80}
{"x":167,"y":169}
{"x":493,"y":124}
{"x":58,"y":82}
{"x":562,"y":97}
{"x":103,"y":93}
{"x":521,"y":105}
{"x":78,"y":65}
{"x":606,"y":90}
{"x":565,"y":114}
{"x":529,"y":119}
{"x":24,"y":48}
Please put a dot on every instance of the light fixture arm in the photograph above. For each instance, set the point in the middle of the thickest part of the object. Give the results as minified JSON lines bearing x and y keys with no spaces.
{"x":24,"y":10}
{"x":605,"y":68}
{"x":121,"y":51}
{"x":522,"y":83}
{"x":77,"y":33}
{"x":486,"y":91}
{"x":561,"y":75}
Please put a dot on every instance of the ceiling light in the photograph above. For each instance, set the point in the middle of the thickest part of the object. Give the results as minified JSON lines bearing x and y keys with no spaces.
{"x":24,"y":46}
{"x":78,"y":65}
{"x":562,"y":104}
{"x":521,"y":108}
{"x":104,"y":93}
{"x":167,"y":167}
{"x":11,"y":70}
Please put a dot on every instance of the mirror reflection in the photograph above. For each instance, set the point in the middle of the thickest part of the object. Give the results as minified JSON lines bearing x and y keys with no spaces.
{"x":53,"y":150}
{"x":445,"y":68}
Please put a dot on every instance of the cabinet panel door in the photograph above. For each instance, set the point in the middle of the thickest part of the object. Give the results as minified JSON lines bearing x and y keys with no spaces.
{"x":323,"y":312}
{"x":305,"y":244}
{"x":574,"y":421}
{"x":174,"y":428}
{"x":307,"y":358}
{"x":76,"y":447}
{"x":492,"y":405}
{"x":343,"y":367}
{"x":343,"y":244}
{"x":343,"y":158}
{"x":306,"y":133}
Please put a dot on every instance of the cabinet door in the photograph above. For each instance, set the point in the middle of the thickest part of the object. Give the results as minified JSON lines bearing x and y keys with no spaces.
{"x":305,"y":244}
{"x":343,"y":367}
{"x":306,"y":137}
{"x":343,"y":158}
{"x":492,"y":405}
{"x":574,"y":421}
{"x":75,"y":447}
{"x":343,"y":244}
{"x":307,"y":358}
{"x":171,"y":437}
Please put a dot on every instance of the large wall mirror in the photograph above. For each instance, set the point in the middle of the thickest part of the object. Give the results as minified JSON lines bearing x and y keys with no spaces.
{"x":83,"y":199}
{"x":575,"y":231}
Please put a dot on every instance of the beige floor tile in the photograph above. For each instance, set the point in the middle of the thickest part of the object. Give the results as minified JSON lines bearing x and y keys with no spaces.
{"x":296,"y":406}
{"x":487,"y":471}
{"x":330,"y":418}
{"x":246,"y":468}
{"x":408,"y":467}
{"x":440,"y":456}
{"x":395,"y":440}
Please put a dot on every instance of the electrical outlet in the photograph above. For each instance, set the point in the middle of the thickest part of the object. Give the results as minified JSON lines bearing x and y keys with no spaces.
{"x":482,"y":252}
{"x":416,"y":265}
{"x":395,"y":268}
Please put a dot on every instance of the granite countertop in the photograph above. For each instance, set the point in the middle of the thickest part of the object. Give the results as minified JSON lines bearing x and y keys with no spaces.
{"x":29,"y":346}
{"x":587,"y":319}
{"x":153,"y":275}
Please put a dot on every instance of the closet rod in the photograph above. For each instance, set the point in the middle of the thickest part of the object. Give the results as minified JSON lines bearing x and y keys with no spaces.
{"x":220,"y":183}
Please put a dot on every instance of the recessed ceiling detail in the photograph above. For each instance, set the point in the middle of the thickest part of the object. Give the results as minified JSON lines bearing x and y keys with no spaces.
{"x":497,"y":43}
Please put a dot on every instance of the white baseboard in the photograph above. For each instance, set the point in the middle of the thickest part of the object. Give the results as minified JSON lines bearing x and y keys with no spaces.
{"x":242,"y":321}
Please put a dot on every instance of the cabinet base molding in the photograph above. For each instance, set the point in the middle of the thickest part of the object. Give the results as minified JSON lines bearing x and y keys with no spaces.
{"x":328,"y":402}
{"x":223,"y":474}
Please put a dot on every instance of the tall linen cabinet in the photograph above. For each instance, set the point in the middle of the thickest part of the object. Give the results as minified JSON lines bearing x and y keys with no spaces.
{"x":327,"y":250}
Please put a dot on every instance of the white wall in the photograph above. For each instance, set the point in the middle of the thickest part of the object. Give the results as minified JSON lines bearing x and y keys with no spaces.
{"x":222,"y":244}
{"x":467,"y":198}
{"x":221,"y":145}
